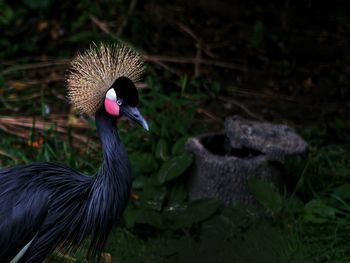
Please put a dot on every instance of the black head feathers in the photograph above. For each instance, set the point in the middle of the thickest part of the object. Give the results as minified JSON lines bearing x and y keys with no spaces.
{"x":126,"y":90}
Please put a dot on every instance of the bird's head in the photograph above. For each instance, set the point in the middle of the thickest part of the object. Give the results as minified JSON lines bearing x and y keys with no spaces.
{"x":121,"y":100}
{"x":104,"y":76}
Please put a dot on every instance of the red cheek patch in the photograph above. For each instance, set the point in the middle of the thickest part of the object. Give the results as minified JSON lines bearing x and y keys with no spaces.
{"x":112,"y":107}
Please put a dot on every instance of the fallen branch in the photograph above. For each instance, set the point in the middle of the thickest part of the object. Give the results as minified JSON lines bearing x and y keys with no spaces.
{"x":37,"y":65}
{"x":22,"y":126}
{"x":59,"y":120}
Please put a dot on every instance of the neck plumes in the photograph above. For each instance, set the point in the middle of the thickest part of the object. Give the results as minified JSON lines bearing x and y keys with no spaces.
{"x":112,"y":183}
{"x":111,"y":187}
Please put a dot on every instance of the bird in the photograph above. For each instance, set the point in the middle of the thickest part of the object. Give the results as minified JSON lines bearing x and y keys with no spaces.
{"x":48,"y":206}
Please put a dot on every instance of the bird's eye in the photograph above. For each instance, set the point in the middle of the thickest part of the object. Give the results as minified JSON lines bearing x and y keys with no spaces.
{"x":119,"y":102}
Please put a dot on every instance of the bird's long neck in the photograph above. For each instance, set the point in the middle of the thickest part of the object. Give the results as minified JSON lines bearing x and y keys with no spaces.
{"x":114,"y":177}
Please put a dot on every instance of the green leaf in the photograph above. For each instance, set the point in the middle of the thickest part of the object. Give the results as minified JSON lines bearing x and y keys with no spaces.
{"x":142,"y":164}
{"x":139,"y":182}
{"x":150,"y":217}
{"x":162,"y":150}
{"x":174,"y":167}
{"x":151,"y":187}
{"x":202,"y":209}
{"x":258,"y":34}
{"x":179,"y":145}
{"x":153,"y":198}
{"x":294,"y":206}
{"x":130,"y":215}
{"x":176,"y":216}
{"x":177,"y":194}
{"x":343,"y":191}
{"x":181,"y":216}
{"x":7,"y":14}
{"x":316,"y":211}
{"x":266,"y":194}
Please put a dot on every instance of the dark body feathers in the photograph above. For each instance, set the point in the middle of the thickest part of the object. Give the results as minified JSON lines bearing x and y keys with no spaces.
{"x":58,"y":207}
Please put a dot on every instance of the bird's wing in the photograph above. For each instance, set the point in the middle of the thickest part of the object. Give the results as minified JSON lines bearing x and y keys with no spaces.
{"x":21,"y":215}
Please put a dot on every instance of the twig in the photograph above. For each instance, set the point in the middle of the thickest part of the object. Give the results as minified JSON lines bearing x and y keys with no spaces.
{"x":8,"y":125}
{"x":246,"y":93}
{"x":79,"y":137}
{"x":243,"y":107}
{"x":12,"y":131}
{"x":8,"y":106}
{"x":151,"y":58}
{"x":59,"y":95}
{"x":3,"y":153}
{"x":141,"y":85}
{"x":65,"y":256}
{"x":186,"y":60}
{"x":47,"y":80}
{"x":198,"y":46}
{"x":210,"y":115}
{"x":27,"y":58}
{"x":125,"y":21}
{"x":170,"y":69}
{"x":199,"y":41}
{"x":198,"y":58}
{"x":26,"y":98}
{"x":101,"y":25}
{"x":187,"y":30}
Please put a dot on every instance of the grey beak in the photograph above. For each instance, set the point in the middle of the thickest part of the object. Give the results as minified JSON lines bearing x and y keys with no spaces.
{"x":134,"y":114}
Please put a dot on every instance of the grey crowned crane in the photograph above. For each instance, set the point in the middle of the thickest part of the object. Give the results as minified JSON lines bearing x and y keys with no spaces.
{"x":47,"y":205}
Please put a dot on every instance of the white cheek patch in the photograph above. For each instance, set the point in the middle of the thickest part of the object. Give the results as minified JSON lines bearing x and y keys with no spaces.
{"x":110,"y":103}
{"x":111,"y":95}
{"x":112,"y":107}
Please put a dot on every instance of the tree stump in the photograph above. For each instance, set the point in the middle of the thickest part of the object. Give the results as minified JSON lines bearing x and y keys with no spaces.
{"x":226,"y":161}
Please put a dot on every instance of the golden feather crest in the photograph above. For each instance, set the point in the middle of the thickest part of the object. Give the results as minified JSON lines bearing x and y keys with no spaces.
{"x":94,"y":71}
